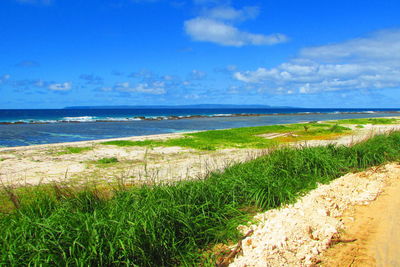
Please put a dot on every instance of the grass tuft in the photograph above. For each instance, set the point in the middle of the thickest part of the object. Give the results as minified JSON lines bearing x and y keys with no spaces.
{"x":74,"y":150}
{"x":107,"y":160}
{"x":124,"y":143}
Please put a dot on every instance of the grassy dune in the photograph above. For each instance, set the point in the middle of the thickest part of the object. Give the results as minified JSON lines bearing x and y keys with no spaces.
{"x":166,"y":225}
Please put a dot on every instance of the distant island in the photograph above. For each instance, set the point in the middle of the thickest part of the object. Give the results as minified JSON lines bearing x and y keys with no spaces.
{"x":197,"y":106}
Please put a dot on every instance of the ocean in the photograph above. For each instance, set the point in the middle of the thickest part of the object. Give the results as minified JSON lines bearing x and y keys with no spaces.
{"x":21,"y":127}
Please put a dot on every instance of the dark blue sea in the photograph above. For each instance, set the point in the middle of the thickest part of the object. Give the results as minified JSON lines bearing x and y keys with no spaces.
{"x":30,"y":127}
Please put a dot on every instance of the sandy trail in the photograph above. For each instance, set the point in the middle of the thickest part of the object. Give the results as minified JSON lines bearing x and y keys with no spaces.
{"x":377,"y":230}
{"x":361,"y":206}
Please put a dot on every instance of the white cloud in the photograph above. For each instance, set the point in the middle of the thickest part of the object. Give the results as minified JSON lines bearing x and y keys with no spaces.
{"x":219,"y":32}
{"x":381,"y":45}
{"x":362,"y":63}
{"x":231,"y":14}
{"x":155,"y":88}
{"x":57,"y":86}
{"x":197,"y":75}
{"x":217,"y":25}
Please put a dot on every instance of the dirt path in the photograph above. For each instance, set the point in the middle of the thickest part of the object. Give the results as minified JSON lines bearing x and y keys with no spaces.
{"x":377,"y":230}
{"x":320,"y":228}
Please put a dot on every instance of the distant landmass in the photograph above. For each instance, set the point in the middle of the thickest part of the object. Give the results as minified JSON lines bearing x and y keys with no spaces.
{"x":198,"y":106}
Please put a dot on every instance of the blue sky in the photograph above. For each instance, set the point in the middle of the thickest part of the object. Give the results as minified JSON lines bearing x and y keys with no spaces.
{"x":56,"y":53}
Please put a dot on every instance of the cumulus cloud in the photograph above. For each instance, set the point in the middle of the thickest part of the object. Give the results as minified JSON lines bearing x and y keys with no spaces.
{"x":217,"y":25}
{"x":362,"y":63}
{"x":219,"y":32}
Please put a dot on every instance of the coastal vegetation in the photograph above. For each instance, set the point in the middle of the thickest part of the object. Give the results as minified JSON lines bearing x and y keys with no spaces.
{"x":74,"y":150}
{"x":177,"y":223}
{"x":246,"y":137}
{"x":374,"y":121}
{"x":107,"y":160}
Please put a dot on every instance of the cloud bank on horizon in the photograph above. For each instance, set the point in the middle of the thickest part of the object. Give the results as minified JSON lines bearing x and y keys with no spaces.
{"x":199,"y":51}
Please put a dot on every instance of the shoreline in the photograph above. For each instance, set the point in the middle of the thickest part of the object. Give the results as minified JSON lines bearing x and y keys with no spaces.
{"x":45,"y":163}
{"x":84,"y":119}
{"x":96,"y":141}
{"x":162,"y":136}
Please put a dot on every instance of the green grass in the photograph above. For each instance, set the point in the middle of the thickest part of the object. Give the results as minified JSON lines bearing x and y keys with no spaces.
{"x":74,"y":150}
{"x":123,"y":143}
{"x":247,"y":137}
{"x":107,"y":160}
{"x":1,"y":159}
{"x":374,"y":121}
{"x":168,"y":225}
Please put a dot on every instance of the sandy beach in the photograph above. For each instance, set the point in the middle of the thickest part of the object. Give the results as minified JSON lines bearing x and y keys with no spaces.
{"x":137,"y":164}
{"x":44,"y":163}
